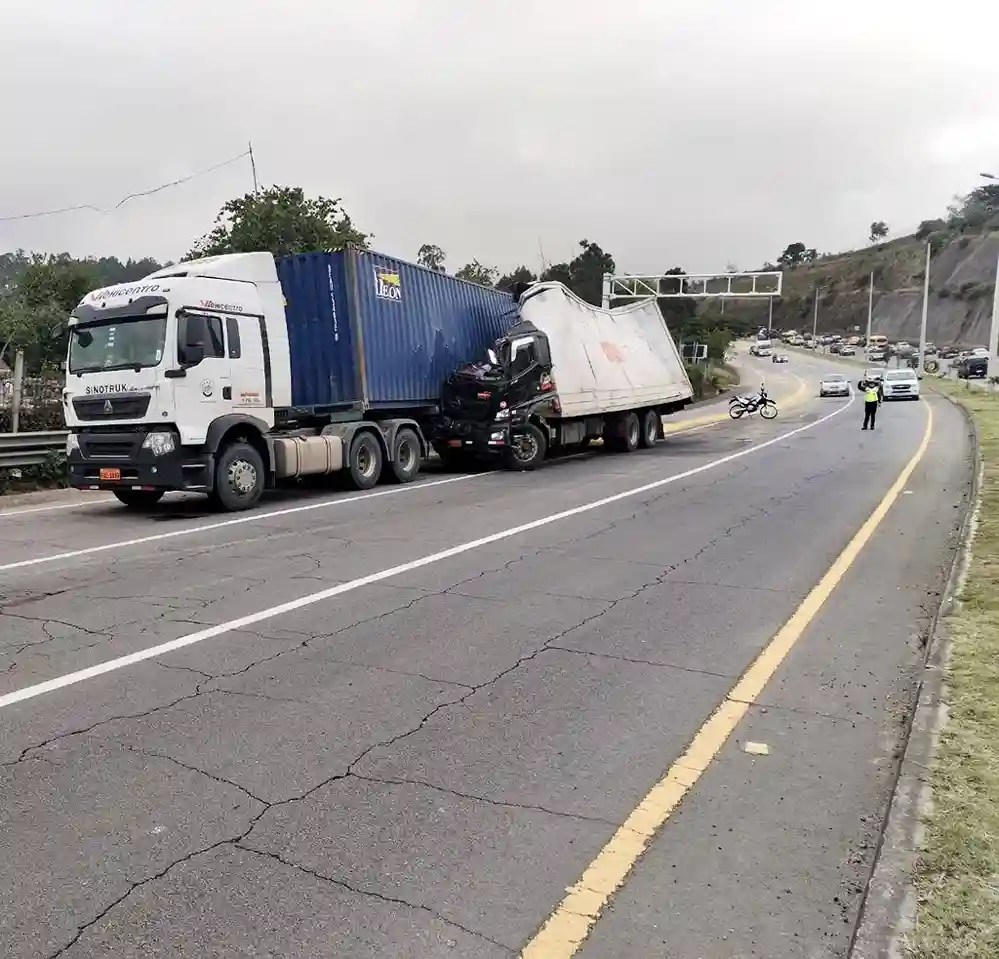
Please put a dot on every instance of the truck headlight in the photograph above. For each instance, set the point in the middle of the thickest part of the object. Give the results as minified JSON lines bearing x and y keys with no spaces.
{"x":72,"y":442}
{"x":159,"y":443}
{"x":502,"y":415}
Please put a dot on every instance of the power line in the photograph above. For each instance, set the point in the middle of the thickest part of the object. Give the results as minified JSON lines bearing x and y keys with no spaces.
{"x":132,"y":196}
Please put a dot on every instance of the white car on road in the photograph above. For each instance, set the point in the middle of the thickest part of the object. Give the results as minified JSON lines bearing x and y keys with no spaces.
{"x":834,"y":384}
{"x":900,"y":385}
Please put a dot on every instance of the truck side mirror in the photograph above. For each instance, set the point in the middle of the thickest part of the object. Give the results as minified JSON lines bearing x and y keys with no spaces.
{"x":191,"y":336}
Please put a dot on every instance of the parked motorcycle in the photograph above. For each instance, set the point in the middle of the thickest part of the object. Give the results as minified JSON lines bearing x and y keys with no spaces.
{"x":751,"y":403}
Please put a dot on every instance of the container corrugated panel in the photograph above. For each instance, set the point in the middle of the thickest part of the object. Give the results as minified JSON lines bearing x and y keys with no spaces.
{"x":321,"y":329}
{"x":419,"y":326}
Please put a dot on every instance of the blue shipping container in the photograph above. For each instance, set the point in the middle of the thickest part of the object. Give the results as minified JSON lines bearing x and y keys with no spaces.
{"x":369,"y":330}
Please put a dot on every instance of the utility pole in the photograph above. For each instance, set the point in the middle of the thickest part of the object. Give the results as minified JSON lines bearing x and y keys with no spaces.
{"x":870,"y":312}
{"x":815,"y":318}
{"x":926,"y":308}
{"x":15,"y":407}
{"x":994,"y":329}
{"x":770,"y":314}
{"x":253,"y":167}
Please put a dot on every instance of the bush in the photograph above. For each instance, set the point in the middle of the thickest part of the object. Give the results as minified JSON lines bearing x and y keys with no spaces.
{"x":52,"y":474}
{"x":938,"y":240}
{"x":696,"y":373}
{"x":929,"y":226}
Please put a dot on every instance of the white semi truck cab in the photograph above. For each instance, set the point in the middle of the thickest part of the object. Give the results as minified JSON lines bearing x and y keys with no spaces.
{"x":183,"y":381}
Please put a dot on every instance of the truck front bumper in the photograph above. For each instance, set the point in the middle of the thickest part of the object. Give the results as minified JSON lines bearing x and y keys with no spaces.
{"x":113,"y":461}
{"x":479,"y":438}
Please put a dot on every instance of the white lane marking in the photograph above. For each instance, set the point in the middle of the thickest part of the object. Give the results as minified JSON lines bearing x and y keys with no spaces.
{"x":110,"y":665}
{"x":4,"y":514}
{"x":249,"y":518}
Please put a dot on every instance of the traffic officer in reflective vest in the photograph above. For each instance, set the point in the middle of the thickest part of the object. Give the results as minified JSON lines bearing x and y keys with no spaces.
{"x":873,"y":395}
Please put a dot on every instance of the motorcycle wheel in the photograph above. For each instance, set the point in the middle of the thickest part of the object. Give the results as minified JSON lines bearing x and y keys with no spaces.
{"x":736,"y":411}
{"x":769,"y":410}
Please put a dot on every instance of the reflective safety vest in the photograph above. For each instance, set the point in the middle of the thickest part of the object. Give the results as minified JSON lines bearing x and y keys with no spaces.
{"x":871,"y":394}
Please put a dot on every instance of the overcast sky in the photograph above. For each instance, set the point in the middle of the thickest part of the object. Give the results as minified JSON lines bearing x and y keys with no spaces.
{"x":690,"y":132}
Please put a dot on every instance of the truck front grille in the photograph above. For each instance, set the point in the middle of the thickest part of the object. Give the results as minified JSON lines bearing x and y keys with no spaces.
{"x":115,"y":406}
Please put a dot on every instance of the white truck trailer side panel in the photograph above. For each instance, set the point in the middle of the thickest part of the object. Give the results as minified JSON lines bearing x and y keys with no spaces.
{"x":606,"y":360}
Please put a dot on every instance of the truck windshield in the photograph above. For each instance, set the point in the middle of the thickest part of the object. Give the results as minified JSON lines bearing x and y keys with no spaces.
{"x":119,"y":344}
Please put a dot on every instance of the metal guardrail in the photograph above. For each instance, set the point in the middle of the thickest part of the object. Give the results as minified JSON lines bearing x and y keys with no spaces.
{"x":30,"y":449}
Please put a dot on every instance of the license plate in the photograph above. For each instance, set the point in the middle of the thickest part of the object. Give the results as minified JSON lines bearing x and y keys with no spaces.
{"x":111,"y":475}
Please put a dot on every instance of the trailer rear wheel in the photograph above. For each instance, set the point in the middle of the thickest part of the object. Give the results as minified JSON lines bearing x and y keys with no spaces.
{"x":406,"y":455}
{"x":650,"y":430}
{"x":239,"y":477}
{"x":364,"y":467}
{"x":623,"y":433}
{"x":527,"y":448}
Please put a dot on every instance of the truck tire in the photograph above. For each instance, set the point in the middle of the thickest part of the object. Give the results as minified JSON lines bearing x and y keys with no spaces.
{"x":649,"y":435}
{"x":527,"y":448}
{"x":365,"y":460}
{"x":624,"y":434}
{"x":406,"y":453}
{"x":239,"y":478}
{"x":138,"y":498}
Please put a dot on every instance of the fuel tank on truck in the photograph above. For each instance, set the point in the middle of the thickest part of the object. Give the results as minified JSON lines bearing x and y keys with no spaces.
{"x":367,"y":331}
{"x":606,"y":360}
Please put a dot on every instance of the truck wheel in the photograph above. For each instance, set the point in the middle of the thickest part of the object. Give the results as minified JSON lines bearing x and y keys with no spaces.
{"x":365,"y":463}
{"x":650,"y":430}
{"x":624,"y":434}
{"x":527,"y":448}
{"x":138,"y":498}
{"x":406,"y":455}
{"x":239,"y":478}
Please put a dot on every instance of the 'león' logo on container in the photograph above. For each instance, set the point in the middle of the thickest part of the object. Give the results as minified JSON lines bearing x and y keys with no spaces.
{"x":388,"y":286}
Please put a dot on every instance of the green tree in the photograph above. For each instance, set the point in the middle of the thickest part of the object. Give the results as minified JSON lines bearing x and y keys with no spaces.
{"x":558,"y":273}
{"x":281,"y":220}
{"x":42,"y":295}
{"x":584,"y":275}
{"x":717,"y":342}
{"x":680,"y":312}
{"x":794,"y":255}
{"x":879,"y":230}
{"x":432,"y":257}
{"x":520,"y":275}
{"x":28,"y":328}
{"x":475,"y":272}
{"x":59,"y":279}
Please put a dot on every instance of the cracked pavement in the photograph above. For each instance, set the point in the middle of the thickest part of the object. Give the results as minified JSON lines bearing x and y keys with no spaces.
{"x":420,"y":767}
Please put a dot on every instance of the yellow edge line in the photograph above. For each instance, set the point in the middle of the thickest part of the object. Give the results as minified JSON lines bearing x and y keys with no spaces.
{"x":569,"y":925}
{"x":698,"y":422}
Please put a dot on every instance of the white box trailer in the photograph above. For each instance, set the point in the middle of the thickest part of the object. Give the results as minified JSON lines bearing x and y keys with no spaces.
{"x":607,"y":361}
{"x":565,"y":374}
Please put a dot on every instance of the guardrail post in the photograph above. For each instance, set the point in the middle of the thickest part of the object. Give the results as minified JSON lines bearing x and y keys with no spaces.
{"x":15,"y":405}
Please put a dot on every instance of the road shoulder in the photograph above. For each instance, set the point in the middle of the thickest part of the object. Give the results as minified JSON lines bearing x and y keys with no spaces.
{"x":889,"y":905}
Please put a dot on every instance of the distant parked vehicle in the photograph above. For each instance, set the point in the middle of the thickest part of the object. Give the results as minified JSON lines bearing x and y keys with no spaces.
{"x":835,"y":384}
{"x":900,"y":385}
{"x":973,"y":367}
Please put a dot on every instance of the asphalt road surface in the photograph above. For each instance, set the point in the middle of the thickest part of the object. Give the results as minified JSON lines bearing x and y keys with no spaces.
{"x":404,"y":723}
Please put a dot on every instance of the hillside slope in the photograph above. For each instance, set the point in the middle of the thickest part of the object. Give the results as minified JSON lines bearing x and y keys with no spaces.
{"x":962,"y":276}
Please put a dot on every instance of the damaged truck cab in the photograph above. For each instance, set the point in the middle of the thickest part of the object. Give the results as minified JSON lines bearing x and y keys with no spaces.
{"x":566,"y":374}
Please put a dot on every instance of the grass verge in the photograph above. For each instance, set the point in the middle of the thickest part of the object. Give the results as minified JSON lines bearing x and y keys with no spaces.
{"x":957,"y":871}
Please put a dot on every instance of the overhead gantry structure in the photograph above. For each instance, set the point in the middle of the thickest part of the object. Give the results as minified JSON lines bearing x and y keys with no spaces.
{"x":700,"y":286}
